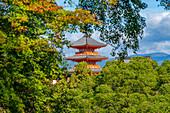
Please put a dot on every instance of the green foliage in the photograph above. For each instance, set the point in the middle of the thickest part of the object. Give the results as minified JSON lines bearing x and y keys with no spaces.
{"x":138,"y":85}
{"x":122,"y":25}
{"x":165,"y":4}
{"x":31,"y":43}
{"x":28,"y":62}
{"x":121,"y":87}
{"x":77,"y":94}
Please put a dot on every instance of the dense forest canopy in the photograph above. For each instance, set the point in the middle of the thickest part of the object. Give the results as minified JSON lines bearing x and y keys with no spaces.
{"x":138,"y":86}
{"x":29,"y":62}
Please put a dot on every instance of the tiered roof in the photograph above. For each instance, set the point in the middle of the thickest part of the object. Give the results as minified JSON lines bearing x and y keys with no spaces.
{"x":86,"y":57}
{"x":86,"y":46}
{"x":88,"y":42}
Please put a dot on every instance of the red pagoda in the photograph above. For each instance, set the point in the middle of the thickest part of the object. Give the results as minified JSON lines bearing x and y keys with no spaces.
{"x":86,"y":46}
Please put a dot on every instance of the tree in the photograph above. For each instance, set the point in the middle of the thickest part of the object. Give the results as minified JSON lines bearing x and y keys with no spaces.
{"x":77,"y":94}
{"x":28,"y":61}
{"x":132,"y":83}
{"x":137,"y":86}
{"x":165,"y":3}
{"x":122,"y":23}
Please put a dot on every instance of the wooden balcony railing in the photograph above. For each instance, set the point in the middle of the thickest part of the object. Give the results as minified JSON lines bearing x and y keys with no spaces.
{"x":87,"y":53}
{"x":91,"y":66}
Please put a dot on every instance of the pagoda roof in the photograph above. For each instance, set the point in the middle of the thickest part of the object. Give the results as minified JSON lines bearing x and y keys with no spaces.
{"x":87,"y":40}
{"x":75,"y":57}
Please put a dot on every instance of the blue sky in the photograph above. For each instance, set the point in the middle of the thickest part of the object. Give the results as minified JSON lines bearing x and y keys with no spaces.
{"x":157,"y":33}
{"x":156,"y":36}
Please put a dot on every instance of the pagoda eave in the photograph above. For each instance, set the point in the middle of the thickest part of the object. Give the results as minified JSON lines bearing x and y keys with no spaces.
{"x":93,"y":58}
{"x":87,"y":40}
{"x":87,"y":47}
{"x":87,"y":59}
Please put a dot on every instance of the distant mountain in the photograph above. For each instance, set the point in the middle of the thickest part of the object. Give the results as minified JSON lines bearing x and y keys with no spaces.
{"x":159,"y":57}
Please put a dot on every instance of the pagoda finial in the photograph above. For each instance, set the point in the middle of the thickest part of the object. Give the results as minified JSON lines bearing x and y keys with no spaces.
{"x":86,"y":34}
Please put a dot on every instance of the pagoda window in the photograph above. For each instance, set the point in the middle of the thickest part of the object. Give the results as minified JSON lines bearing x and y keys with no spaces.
{"x":92,"y":50}
{"x":81,"y":50}
{"x":91,"y":63}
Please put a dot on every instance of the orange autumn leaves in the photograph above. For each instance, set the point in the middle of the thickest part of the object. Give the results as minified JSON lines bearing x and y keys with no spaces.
{"x":108,"y":2}
{"x":55,"y":17}
{"x":39,"y":6}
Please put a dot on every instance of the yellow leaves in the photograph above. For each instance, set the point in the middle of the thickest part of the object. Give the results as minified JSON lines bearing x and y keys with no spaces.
{"x":78,"y":17}
{"x":23,"y":44}
{"x":26,"y":1}
{"x":21,"y":28}
{"x":23,"y":47}
{"x":23,"y":18}
{"x":60,"y":19}
{"x":51,"y":50}
{"x":113,"y":1}
{"x":83,"y":31}
{"x":106,"y":2}
{"x":59,"y":40}
{"x":110,"y":3}
{"x":1,"y":40}
{"x":16,"y":21}
{"x":5,"y":64}
{"x":2,"y":37}
{"x":38,"y":6}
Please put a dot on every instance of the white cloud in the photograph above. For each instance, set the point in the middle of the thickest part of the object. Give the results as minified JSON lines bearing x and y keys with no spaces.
{"x":156,"y":34}
{"x":157,"y":23}
{"x":163,"y":46}
{"x":73,"y":37}
{"x":155,"y":19}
